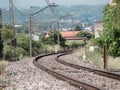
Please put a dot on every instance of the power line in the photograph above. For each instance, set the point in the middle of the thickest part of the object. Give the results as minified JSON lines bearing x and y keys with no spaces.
{"x":51,"y":8}
{"x":19,"y":10}
{"x":18,"y":5}
{"x":11,"y":15}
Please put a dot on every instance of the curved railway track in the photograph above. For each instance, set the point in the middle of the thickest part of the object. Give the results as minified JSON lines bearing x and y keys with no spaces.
{"x":100,"y":72}
{"x":80,"y":84}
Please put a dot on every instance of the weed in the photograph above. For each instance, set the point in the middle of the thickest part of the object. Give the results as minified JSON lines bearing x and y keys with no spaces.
{"x":2,"y":69}
{"x":97,"y":59}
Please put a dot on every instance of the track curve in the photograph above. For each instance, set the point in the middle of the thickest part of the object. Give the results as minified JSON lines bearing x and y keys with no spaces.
{"x":86,"y":86}
{"x":96,"y":71}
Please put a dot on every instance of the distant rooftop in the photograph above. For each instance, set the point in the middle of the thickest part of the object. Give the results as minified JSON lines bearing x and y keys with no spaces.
{"x":68,"y":34}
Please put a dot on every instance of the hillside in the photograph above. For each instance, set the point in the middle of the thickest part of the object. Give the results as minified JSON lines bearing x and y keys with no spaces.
{"x":79,"y":13}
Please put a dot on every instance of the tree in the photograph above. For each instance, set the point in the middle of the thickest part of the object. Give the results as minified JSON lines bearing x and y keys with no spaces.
{"x":53,"y":38}
{"x":79,"y":27}
{"x":23,"y":42}
{"x":6,"y":32}
{"x":111,"y":32}
{"x":1,"y":46}
{"x":85,"y":34}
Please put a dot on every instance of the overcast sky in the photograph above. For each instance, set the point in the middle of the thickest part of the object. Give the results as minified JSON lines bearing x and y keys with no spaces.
{"x":28,"y":3}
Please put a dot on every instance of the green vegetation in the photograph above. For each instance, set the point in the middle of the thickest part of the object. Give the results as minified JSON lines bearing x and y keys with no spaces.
{"x":1,"y":41}
{"x":1,"y":46}
{"x":74,"y":44}
{"x":2,"y":68}
{"x":79,"y":27}
{"x":85,"y":34}
{"x":21,"y":49}
{"x":96,"y":59}
{"x":53,"y":38}
{"x":111,"y":32}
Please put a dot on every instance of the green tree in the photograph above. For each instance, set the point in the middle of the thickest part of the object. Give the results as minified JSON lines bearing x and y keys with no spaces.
{"x":1,"y":46}
{"x":6,"y":33}
{"x":79,"y":27}
{"x":53,"y":38}
{"x":85,"y":34}
{"x":23,"y":42}
{"x":111,"y":32}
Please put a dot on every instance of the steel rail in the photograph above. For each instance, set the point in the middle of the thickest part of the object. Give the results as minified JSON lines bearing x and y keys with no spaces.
{"x":96,"y":71}
{"x":74,"y":82}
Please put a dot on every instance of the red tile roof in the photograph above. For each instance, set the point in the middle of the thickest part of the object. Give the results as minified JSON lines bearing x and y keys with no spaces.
{"x":69,"y":34}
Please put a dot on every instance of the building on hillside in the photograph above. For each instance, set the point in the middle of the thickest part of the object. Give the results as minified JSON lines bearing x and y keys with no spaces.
{"x":98,"y":27}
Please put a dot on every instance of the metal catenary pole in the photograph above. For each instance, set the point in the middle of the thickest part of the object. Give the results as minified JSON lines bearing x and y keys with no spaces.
{"x":30,"y":31}
{"x":30,"y":21}
{"x":12,"y":27}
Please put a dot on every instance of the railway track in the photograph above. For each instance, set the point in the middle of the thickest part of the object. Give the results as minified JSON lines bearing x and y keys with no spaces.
{"x":80,"y":84}
{"x":100,"y":72}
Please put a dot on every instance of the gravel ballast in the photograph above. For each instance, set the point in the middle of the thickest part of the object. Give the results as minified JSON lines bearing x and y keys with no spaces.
{"x":23,"y":75}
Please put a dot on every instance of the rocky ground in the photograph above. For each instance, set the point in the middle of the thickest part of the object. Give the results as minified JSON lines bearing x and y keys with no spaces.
{"x":23,"y":75}
{"x":72,"y":59}
{"x":81,"y":75}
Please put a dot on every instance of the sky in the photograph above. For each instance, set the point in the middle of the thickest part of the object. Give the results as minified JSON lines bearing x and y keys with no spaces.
{"x":40,"y":3}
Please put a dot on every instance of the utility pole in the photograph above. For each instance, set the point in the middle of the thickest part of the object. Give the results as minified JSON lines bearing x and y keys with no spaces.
{"x":13,"y":40}
{"x":58,"y":33}
{"x":30,"y":31}
{"x":30,"y":21}
{"x":11,"y":17}
{"x":105,"y":57}
{"x":85,"y":52}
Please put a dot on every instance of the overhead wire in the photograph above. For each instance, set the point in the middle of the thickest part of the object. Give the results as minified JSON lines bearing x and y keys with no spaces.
{"x":18,"y":5}
{"x":19,"y":10}
{"x":51,"y":8}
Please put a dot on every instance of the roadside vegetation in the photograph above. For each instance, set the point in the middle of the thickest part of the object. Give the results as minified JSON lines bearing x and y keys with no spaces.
{"x":20,"y":48}
{"x":110,"y":36}
{"x":2,"y":69}
{"x":111,"y":32}
{"x":96,"y":59}
{"x":3,"y":64}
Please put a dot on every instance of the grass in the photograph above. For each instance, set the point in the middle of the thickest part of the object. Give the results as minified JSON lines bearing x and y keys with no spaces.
{"x":2,"y":66}
{"x":53,"y":48}
{"x":114,"y":63}
{"x":97,"y":59}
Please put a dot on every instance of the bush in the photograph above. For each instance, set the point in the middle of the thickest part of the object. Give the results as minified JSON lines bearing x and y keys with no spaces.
{"x":20,"y":53}
{"x":74,"y":44}
{"x":2,"y":68}
{"x":85,"y":34}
